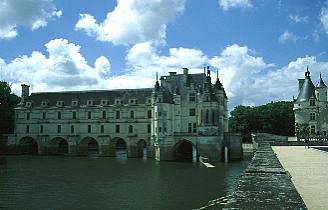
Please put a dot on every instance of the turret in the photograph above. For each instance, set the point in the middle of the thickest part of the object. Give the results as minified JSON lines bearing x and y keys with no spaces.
{"x":307,"y":90}
{"x":321,"y":90}
{"x":25,"y":93}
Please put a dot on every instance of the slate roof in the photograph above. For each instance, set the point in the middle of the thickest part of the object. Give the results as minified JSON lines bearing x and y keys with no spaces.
{"x":307,"y":90}
{"x":82,"y":97}
{"x":321,"y":83}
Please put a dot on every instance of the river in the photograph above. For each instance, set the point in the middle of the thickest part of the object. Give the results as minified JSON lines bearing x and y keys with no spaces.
{"x":61,"y":182}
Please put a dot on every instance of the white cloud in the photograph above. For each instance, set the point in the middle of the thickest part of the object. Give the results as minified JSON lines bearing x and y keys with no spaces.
{"x":324,"y":16}
{"x":288,"y":36}
{"x":63,"y":69}
{"x":33,"y":14}
{"x":298,"y":19}
{"x":229,"y":4}
{"x":133,"y":21}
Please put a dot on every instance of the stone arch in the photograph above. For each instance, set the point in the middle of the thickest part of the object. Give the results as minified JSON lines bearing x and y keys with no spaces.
{"x":119,"y":147}
{"x":28,"y":145}
{"x":185,"y":151}
{"x":58,"y":146}
{"x":88,"y":146}
{"x":142,"y":148}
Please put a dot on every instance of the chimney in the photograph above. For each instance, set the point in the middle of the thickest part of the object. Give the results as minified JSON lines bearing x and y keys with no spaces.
{"x":300,"y":84}
{"x":25,"y":93}
{"x":185,"y":70}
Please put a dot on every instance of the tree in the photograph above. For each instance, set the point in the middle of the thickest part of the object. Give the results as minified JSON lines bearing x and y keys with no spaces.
{"x":302,"y":130}
{"x":8,"y":101}
{"x":275,"y":118}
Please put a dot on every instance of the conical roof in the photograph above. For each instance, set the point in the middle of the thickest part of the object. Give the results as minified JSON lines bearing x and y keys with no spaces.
{"x":307,"y":90}
{"x":321,"y":83}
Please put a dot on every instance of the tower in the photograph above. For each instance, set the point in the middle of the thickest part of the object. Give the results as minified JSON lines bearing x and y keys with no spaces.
{"x":321,"y":90}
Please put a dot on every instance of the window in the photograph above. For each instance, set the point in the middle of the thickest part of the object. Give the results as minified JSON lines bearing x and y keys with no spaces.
{"x":148,"y":128}
{"x":90,"y":102}
{"x":194,"y":128}
{"x":74,"y":103}
{"x":160,"y":100}
{"x":27,"y":116}
{"x":89,"y":128}
{"x":207,"y":113}
{"x":149,"y":113}
{"x":164,"y":129}
{"x":58,"y":128}
{"x":192,"y":112}
{"x":41,"y":128}
{"x":59,"y":115}
{"x":312,"y":102}
{"x":117,"y":102}
{"x":72,"y":128}
{"x":118,"y":115}
{"x":89,"y":115}
{"x":74,"y":115}
{"x":44,"y":115}
{"x":102,"y":129}
{"x":60,"y":103}
{"x":104,"y":114}
{"x":312,"y":116}
{"x":325,"y":133}
{"x":189,"y":127}
{"x":159,"y":129}
{"x":27,"y":128}
{"x":312,"y":129}
{"x":159,"y":114}
{"x":104,"y":102}
{"x":132,"y":114}
{"x":132,"y":101}
{"x":117,"y":128}
{"x":130,"y":129}
{"x":192,"y":97}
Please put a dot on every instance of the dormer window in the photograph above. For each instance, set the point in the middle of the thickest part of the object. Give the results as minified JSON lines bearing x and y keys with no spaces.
{"x":44,"y":103}
{"x":60,"y":103}
{"x":312,"y":102}
{"x":117,"y":101}
{"x":75,"y":103}
{"x":28,"y":104}
{"x":104,"y":102}
{"x":132,"y":101}
{"x":90,"y":102}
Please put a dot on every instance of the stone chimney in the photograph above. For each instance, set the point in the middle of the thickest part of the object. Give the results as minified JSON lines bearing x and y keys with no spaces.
{"x":25,"y":93}
{"x":185,"y":70}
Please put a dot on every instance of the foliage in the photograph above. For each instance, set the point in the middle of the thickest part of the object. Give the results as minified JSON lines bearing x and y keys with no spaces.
{"x":275,"y":118}
{"x":8,"y":101}
{"x":302,"y":130}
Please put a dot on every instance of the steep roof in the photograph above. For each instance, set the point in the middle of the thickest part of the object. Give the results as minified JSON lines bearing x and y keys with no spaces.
{"x":96,"y":95}
{"x":321,"y":83}
{"x":307,"y":90}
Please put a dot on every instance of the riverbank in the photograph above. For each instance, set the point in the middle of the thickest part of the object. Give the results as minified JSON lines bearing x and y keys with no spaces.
{"x":309,"y":169}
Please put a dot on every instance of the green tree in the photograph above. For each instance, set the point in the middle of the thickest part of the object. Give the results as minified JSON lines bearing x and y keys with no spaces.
{"x":275,"y":118}
{"x":8,"y":101}
{"x":302,"y":130}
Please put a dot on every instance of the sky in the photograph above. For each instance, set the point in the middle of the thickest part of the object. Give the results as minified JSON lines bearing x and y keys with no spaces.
{"x":260,"y":48}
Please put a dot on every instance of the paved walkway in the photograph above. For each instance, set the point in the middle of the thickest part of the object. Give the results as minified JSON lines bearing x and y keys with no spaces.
{"x":309,"y":171}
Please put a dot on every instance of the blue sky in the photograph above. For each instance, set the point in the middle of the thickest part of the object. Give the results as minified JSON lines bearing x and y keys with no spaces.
{"x":259,"y":47}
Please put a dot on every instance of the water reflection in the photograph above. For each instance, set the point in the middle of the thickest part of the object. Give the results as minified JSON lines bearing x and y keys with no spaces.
{"x":41,"y":182}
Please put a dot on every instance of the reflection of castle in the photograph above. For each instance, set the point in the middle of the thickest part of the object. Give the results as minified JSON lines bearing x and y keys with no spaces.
{"x":311,"y":106}
{"x":182,"y":117}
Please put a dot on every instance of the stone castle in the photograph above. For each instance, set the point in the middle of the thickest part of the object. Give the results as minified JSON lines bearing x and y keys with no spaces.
{"x":183,"y":117}
{"x":311,"y":106}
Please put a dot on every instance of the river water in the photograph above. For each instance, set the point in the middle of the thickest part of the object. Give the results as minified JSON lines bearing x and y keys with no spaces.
{"x":59,"y":182}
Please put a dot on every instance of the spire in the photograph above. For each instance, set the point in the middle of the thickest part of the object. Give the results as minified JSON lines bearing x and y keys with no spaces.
{"x":308,"y":89}
{"x":307,"y":73}
{"x":321,"y":83}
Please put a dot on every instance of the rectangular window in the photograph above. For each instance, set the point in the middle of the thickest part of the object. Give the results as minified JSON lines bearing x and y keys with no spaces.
{"x":27,"y":116}
{"x":192,"y":112}
{"x":148,"y":128}
{"x":189,"y":127}
{"x":118,"y":114}
{"x":164,"y":129}
{"x":104,"y":114}
{"x":149,"y":113}
{"x":89,"y":128}
{"x":27,"y":128}
{"x":41,"y":128}
{"x":89,"y":115}
{"x":130,"y":129}
{"x":117,"y":128}
{"x":312,"y":129}
{"x":312,"y":102}
{"x":72,"y":128}
{"x":44,"y":116}
{"x":160,"y":129}
{"x":194,"y":128}
{"x":59,"y":115}
{"x":159,"y":114}
{"x":58,"y":128}
{"x":102,"y":129}
{"x":312,"y":116}
{"x":325,"y":133}
{"x":192,"y":97}
{"x":131,"y":114}
{"x":74,"y":115}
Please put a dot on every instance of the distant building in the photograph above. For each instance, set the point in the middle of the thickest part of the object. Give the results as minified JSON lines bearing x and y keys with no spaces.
{"x":311,"y":106}
{"x":183,"y":117}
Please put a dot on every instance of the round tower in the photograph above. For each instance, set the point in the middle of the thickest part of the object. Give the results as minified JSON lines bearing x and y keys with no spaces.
{"x":321,"y":90}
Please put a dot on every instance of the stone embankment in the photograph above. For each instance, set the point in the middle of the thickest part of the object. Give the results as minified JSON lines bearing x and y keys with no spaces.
{"x":265,"y":184}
